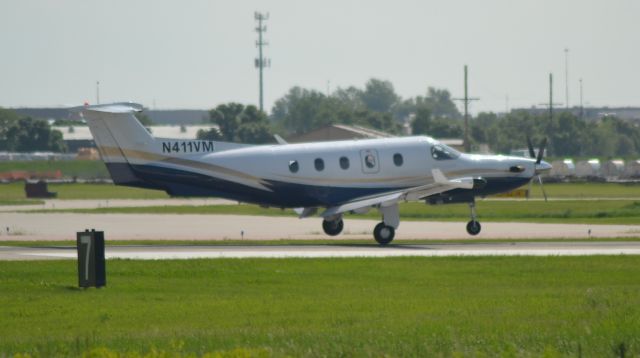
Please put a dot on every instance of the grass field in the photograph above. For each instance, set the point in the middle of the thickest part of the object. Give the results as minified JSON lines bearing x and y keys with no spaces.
{"x":14,"y":191}
{"x":576,"y":211}
{"x":586,"y":190}
{"x":20,"y":202}
{"x":511,"y":306}
{"x":86,"y":169}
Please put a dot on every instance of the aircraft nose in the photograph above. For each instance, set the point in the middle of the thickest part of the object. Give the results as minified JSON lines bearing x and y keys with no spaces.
{"x":543,"y":167}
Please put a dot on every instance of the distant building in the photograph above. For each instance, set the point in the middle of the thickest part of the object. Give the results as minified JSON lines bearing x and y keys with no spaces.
{"x":632,"y":169}
{"x":613,"y":168}
{"x":563,"y":168}
{"x":158,"y":116}
{"x":588,"y":168}
{"x":588,"y":113}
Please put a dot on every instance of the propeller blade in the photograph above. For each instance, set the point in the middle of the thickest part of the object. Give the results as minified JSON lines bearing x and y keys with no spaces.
{"x":532,"y":153}
{"x":541,"y":151}
{"x":542,"y":187}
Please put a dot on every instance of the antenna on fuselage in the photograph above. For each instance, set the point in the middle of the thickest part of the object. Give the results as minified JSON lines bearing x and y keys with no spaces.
{"x":279,"y":139}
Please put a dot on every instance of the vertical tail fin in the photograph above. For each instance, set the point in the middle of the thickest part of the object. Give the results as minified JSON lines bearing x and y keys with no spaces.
{"x":130,"y":152}
{"x":117,"y":133}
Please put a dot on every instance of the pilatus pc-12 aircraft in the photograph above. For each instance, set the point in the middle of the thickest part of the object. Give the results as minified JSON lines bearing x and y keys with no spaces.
{"x":329,"y":178}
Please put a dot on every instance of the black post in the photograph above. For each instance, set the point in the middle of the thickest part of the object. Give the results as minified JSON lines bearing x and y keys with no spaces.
{"x":91,"y":261}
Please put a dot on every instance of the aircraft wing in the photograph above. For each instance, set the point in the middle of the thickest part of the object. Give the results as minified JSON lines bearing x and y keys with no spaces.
{"x":441,"y":184}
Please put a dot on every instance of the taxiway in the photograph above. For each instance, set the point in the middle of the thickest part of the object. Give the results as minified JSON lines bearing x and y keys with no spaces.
{"x":24,"y":226}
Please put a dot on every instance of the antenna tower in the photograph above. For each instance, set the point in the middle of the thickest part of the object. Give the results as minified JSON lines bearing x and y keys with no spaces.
{"x":261,"y":62}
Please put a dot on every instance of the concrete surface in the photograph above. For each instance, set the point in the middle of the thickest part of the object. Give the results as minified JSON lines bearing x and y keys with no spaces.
{"x":59,"y":226}
{"x":319,"y":251}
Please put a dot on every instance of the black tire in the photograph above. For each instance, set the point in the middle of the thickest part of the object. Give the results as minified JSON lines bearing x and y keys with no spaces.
{"x":473,"y":227}
{"x":383,"y":234}
{"x":332,"y":228}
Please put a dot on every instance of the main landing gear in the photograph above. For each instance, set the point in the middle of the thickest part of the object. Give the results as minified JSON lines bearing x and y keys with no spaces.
{"x":384,"y":232}
{"x":473,"y":226}
{"x":332,"y":227}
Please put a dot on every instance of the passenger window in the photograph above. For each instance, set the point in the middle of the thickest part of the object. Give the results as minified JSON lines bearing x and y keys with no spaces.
{"x":397,"y":159}
{"x":293,"y":166}
{"x":319,"y":164}
{"x":442,"y":152}
{"x":344,"y":163}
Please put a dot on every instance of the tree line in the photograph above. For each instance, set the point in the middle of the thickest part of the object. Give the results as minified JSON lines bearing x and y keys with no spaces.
{"x":434,"y":113}
{"x":26,"y":134}
{"x":301,"y":110}
{"x":567,"y":134}
{"x":377,"y":106}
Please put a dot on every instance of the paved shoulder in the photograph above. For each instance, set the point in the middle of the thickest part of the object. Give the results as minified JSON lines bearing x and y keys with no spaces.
{"x":326,"y":251}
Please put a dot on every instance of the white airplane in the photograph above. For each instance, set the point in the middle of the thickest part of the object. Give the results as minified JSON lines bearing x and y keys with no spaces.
{"x":350,"y":176}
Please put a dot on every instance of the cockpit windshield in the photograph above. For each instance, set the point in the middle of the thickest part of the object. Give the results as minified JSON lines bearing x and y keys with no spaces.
{"x":440,"y":151}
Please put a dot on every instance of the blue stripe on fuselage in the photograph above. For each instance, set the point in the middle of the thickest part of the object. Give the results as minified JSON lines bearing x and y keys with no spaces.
{"x":189,"y":184}
{"x":184,"y":183}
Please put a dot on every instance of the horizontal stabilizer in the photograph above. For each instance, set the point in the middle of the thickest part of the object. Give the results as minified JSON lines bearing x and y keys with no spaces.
{"x":120,"y":107}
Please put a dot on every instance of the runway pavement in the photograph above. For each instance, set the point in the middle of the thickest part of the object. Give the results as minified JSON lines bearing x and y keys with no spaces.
{"x":63,"y":226}
{"x":324,"y":251}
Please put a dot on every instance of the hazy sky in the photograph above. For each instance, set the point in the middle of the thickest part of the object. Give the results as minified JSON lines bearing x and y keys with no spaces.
{"x":197,"y":54}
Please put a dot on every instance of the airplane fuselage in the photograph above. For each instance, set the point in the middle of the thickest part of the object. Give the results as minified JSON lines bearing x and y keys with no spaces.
{"x":324,"y":173}
{"x":336,"y":177}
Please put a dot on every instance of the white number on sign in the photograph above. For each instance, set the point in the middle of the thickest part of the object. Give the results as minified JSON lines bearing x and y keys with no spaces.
{"x":86,"y":240}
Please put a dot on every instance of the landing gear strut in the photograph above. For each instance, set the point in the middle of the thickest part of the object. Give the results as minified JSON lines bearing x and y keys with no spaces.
{"x":333,"y":228}
{"x":383,"y":233}
{"x":386,"y":230}
{"x":473,"y":226}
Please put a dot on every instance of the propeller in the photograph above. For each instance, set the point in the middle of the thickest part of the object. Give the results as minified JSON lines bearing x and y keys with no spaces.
{"x":538,"y":159}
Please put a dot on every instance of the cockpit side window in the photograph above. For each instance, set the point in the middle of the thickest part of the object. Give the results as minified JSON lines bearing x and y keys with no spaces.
{"x":442,"y":152}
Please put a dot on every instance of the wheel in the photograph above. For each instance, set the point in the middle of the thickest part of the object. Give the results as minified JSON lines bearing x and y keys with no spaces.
{"x":473,"y":227}
{"x":332,"y":228}
{"x":383,"y":234}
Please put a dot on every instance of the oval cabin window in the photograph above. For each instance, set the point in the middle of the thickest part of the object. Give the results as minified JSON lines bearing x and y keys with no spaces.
{"x":319,"y":164}
{"x":293,"y":166}
{"x":397,"y":159}
{"x":344,"y":163}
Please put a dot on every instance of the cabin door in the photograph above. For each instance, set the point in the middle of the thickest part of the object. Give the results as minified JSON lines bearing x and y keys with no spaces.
{"x":369,"y":161}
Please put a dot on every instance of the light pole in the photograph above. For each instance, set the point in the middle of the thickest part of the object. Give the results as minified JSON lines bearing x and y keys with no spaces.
{"x":566,"y":76}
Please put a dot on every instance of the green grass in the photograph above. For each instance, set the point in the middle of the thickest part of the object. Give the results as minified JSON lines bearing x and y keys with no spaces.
{"x":484,"y":306}
{"x":20,"y":202}
{"x":87,"y":169}
{"x":569,"y":211}
{"x":109,"y":191}
{"x":15,"y":191}
{"x":586,"y":190}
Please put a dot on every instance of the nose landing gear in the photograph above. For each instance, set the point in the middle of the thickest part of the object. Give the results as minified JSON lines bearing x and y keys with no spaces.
{"x":473,"y":226}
